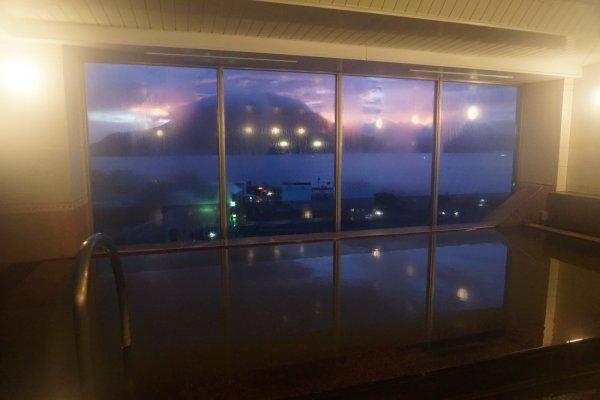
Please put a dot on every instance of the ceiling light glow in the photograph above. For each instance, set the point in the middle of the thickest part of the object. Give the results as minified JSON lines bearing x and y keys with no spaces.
{"x":21,"y":76}
{"x":472,"y":112}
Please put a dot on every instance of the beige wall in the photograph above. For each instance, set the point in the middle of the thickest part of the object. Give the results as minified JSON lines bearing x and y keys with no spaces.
{"x":583,"y":174}
{"x":43,"y":195}
{"x":544,"y":132}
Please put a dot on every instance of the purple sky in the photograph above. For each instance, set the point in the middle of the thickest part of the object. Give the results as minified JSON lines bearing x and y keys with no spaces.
{"x":137,"y":97}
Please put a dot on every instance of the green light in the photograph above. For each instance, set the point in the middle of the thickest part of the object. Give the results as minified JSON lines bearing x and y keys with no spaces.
{"x":207,"y":209}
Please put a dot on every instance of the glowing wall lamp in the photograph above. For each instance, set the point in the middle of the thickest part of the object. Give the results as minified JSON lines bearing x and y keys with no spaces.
{"x":20,"y":76}
{"x":472,"y":112}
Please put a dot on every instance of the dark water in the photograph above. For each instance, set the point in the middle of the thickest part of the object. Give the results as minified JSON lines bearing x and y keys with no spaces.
{"x":325,"y":311}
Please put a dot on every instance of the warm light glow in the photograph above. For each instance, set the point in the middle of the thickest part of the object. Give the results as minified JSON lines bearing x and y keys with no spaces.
{"x":462,"y":294}
{"x":378,"y":123}
{"x":301,"y":131}
{"x":284,"y":144}
{"x":21,"y":76}
{"x":410,"y":270}
{"x":597,"y":97}
{"x":248,"y":130}
{"x":415,"y":119}
{"x":317,"y":144}
{"x":472,"y":112}
{"x":376,"y":252}
{"x":275,"y":130}
{"x":160,"y":133}
{"x":308,"y":214}
{"x":575,"y":340}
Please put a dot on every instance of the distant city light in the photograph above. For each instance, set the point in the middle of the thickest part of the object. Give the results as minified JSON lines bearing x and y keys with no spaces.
{"x":301,"y":131}
{"x":379,"y":213}
{"x":284,"y":144}
{"x":307,"y":214}
{"x":472,"y":112}
{"x":212,"y":235}
{"x":269,"y":193}
{"x":462,"y":294}
{"x":378,"y":123}
{"x":248,"y":130}
{"x":376,"y":252}
{"x":317,"y":144}
{"x":21,"y":76}
{"x":443,"y":213}
{"x":275,"y":130}
{"x":456,"y":213}
{"x":160,"y":133}
{"x":415,"y":119}
{"x":232,"y":203}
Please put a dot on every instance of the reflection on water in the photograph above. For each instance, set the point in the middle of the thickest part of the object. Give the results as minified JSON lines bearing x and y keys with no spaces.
{"x":255,"y":308}
{"x":294,"y":300}
{"x":383,"y":288}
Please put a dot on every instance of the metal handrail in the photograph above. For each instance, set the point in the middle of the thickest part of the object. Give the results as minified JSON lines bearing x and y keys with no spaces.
{"x":97,"y":241}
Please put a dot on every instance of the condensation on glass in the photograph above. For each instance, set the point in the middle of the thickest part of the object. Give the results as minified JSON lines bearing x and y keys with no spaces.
{"x":154,"y":164}
{"x":280,"y":145}
{"x":387,"y":152}
{"x":478,"y":141}
{"x":153,"y":152}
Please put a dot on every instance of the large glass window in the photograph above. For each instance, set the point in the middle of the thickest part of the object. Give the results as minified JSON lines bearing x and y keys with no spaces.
{"x":478,"y":139}
{"x":387,"y":158}
{"x":280,"y":144}
{"x":153,"y":148}
{"x":154,"y":164}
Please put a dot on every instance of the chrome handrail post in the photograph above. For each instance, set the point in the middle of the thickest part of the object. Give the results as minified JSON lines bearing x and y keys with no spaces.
{"x":83,"y":333}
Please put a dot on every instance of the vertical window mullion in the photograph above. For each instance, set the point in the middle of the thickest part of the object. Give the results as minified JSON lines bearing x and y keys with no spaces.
{"x":338,"y":152}
{"x":222,"y":162}
{"x":435,"y":160}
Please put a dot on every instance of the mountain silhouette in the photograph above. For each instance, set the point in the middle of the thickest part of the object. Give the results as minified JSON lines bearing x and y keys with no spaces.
{"x":268,"y":123}
{"x":481,"y":137}
{"x":392,"y":137}
{"x":255,"y":123}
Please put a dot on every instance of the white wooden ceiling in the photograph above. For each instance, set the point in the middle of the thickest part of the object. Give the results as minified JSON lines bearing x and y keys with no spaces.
{"x":552,"y":31}
{"x":564,"y":17}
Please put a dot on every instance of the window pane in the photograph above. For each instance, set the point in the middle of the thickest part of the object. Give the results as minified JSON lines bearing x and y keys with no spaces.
{"x":478,"y":139}
{"x":388,"y":138}
{"x":280,"y":152}
{"x":153,"y":149}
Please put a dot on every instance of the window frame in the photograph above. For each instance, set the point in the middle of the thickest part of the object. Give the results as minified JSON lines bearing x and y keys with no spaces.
{"x":79,"y":56}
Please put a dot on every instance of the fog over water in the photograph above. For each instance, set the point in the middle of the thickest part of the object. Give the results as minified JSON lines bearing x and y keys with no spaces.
{"x":363,"y":174}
